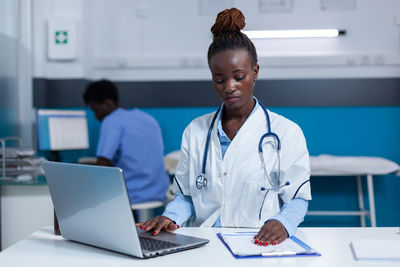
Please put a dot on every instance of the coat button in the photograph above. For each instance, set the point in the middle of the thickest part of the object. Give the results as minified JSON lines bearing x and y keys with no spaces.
{"x":225,"y":173}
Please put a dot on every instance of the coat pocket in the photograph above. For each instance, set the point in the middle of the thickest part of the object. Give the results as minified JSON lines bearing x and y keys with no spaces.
{"x":251,"y":203}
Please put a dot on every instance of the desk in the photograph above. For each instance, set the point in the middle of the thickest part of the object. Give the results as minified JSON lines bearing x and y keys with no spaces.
{"x":44,"y":249}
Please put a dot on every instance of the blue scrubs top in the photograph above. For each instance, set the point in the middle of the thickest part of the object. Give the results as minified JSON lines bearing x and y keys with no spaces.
{"x":132,"y":140}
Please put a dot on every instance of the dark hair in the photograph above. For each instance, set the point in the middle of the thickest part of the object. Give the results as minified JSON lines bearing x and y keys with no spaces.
{"x":227,"y":35}
{"x":100,"y":91}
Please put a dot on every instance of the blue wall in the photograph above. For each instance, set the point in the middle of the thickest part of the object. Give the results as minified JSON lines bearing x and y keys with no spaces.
{"x":367,"y":131}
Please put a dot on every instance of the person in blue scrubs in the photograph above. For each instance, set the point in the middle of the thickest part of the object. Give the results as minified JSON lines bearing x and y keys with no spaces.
{"x":130,"y":140}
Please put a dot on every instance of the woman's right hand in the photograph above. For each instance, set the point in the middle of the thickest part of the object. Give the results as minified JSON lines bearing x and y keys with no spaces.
{"x":157,"y":224}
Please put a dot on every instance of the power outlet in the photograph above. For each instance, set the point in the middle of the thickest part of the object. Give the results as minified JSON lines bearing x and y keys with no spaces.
{"x":379,"y":60}
{"x":365,"y":60}
{"x":142,"y":11}
{"x":397,"y":19}
{"x":351,"y":61}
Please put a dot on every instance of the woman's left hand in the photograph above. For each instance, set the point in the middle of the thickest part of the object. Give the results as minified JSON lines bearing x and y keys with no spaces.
{"x":272,"y":233}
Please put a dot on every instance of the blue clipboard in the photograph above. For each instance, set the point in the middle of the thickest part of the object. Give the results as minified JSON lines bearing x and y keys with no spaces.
{"x":310,"y":251}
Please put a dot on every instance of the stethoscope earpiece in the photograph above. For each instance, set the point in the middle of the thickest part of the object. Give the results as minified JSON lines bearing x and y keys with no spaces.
{"x":276,"y":188}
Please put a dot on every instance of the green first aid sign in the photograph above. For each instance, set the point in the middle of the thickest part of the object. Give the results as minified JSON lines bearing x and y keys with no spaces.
{"x":61,"y":37}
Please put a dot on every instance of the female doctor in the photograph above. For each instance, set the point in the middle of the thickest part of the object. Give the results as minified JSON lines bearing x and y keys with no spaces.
{"x":243,"y":165}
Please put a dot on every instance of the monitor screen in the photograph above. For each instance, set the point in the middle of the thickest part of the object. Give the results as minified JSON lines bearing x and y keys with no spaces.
{"x":62,"y":129}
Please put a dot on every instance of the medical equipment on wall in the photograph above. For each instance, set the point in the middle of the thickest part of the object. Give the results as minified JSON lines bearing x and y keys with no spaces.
{"x":18,"y":162}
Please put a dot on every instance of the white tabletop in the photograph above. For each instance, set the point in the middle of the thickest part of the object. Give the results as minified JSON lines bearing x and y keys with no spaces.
{"x":44,"y":249}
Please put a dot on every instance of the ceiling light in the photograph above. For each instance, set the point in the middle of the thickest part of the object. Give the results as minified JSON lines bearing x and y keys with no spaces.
{"x":295,"y":33}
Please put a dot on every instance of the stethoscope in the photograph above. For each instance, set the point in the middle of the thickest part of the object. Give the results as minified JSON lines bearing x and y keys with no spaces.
{"x":201,"y":180}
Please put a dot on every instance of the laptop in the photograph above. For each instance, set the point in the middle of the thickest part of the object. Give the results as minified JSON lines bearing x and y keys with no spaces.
{"x":92,"y":207}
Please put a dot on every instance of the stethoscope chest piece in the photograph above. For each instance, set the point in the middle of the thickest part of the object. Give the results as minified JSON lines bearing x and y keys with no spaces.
{"x":201,"y":181}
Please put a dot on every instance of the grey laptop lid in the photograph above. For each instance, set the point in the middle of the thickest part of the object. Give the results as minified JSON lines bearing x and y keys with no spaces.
{"x":92,"y":207}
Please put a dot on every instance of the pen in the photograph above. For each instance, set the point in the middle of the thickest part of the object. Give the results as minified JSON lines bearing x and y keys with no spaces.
{"x":287,"y":253}
{"x":275,"y":253}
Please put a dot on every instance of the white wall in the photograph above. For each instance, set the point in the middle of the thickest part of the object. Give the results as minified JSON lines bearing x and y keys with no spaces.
{"x":168,"y":40}
{"x":42,"y":10}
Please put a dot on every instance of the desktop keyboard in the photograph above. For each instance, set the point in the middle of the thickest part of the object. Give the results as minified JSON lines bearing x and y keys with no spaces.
{"x":150,"y":244}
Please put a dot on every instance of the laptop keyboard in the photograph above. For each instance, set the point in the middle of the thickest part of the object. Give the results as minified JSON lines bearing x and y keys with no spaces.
{"x":150,"y":244}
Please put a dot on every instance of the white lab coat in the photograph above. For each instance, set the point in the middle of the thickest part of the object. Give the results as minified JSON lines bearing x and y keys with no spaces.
{"x":234,"y":183}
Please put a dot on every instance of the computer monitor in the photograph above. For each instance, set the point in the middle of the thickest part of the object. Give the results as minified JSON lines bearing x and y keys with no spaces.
{"x":60,"y":129}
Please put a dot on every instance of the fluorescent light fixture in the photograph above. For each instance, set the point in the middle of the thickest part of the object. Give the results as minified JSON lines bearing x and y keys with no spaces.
{"x":294,"y":33}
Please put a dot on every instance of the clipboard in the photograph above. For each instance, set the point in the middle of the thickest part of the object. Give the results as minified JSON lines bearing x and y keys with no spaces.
{"x":308,"y":251}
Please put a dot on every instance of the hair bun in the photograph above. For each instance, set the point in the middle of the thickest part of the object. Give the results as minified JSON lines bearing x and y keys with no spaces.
{"x":229,"y":20}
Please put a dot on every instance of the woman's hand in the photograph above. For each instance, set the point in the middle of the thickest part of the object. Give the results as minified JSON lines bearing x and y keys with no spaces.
{"x":273,"y":232}
{"x":157,"y":224}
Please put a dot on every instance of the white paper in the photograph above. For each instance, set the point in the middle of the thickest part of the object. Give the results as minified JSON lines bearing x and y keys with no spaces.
{"x":376,"y":249}
{"x":242,"y":244}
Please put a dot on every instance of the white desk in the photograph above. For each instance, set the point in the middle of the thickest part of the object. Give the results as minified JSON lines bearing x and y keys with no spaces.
{"x":44,"y":249}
